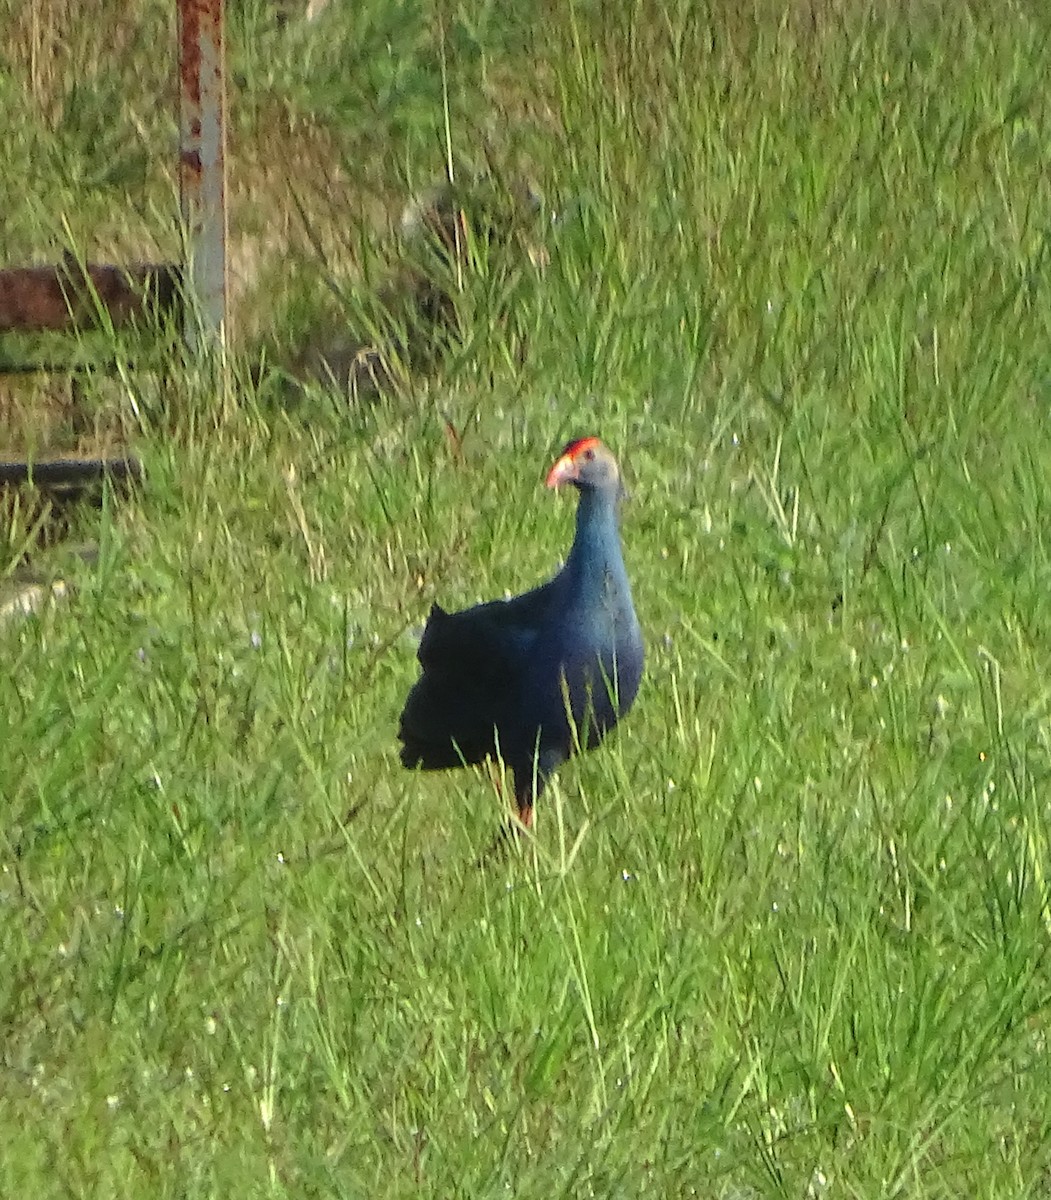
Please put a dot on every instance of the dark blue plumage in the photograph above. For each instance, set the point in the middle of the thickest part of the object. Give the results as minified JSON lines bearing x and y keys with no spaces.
{"x":535,"y":678}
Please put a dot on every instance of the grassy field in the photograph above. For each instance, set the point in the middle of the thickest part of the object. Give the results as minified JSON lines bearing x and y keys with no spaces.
{"x":787,"y":932}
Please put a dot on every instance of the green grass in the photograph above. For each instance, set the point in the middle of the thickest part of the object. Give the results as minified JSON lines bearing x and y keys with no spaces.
{"x":786,"y":933}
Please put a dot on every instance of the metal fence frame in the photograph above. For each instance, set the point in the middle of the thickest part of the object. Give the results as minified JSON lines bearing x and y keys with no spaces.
{"x":75,"y":295}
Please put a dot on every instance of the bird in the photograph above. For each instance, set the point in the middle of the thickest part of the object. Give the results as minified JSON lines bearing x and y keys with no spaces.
{"x":532,"y":680}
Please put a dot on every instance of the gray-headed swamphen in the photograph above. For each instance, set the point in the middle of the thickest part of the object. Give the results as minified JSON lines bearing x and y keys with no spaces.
{"x":534,"y":679}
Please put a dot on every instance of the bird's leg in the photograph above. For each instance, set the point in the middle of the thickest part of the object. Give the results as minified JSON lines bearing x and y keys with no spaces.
{"x":522,"y":818}
{"x":524,"y":797}
{"x":527,"y":788}
{"x":497,"y":774}
{"x":510,"y":828}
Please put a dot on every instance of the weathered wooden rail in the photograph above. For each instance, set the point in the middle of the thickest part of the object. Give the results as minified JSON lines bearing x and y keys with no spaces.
{"x":69,"y":474}
{"x":75,"y":297}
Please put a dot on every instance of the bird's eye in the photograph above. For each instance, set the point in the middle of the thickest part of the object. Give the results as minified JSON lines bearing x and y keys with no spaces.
{"x":589,"y":454}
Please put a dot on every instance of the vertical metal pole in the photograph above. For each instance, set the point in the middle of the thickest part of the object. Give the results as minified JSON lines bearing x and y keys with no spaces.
{"x":202,"y":165}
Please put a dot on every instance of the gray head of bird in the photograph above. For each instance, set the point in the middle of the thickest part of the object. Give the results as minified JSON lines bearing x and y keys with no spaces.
{"x":589,"y":466}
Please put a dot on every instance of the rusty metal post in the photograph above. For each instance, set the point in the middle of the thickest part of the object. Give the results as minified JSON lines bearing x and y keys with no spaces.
{"x":202,"y":165}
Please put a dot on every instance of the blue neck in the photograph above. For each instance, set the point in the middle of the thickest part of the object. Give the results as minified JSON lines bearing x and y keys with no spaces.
{"x":596,"y":547}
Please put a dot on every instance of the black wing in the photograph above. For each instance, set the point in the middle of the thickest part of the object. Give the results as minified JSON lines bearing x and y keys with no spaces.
{"x":473,"y":663}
